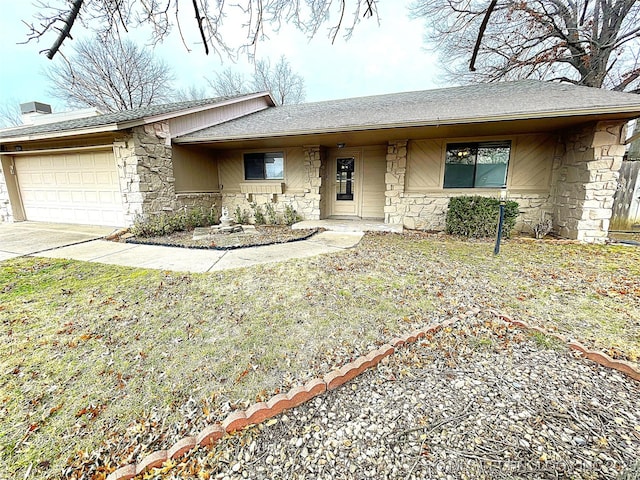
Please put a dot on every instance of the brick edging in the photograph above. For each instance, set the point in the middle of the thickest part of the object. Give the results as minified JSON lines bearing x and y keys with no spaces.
{"x":600,"y":358}
{"x":261,"y":411}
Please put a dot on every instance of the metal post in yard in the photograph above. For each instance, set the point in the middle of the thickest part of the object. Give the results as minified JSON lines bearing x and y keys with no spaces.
{"x":503,"y":201}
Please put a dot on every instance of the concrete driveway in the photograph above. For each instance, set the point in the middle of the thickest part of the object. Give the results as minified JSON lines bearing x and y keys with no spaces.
{"x":27,"y":238}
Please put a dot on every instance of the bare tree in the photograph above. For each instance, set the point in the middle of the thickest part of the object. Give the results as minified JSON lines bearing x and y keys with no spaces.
{"x":10,"y":114}
{"x":286,"y":86}
{"x":229,"y":83}
{"x":192,"y":92}
{"x":112,"y":18}
{"x":110,"y":76}
{"x":585,"y":42}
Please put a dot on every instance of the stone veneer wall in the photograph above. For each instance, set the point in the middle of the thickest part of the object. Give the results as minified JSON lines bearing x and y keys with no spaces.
{"x":428,"y":211}
{"x":205,"y":201}
{"x":394,"y":211}
{"x":145,"y":168}
{"x":6,"y":212}
{"x":586,"y":181}
{"x":305,"y":201}
{"x":143,"y":158}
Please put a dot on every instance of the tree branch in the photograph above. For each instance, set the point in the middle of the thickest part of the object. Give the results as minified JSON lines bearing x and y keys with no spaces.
{"x":199,"y":21}
{"x":628,"y":79}
{"x":483,"y":27}
{"x":66,"y":31}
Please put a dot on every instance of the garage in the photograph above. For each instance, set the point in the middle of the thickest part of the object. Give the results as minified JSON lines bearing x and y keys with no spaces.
{"x":72,"y":187}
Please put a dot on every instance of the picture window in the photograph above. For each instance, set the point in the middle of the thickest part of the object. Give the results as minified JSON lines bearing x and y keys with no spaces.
{"x":264,"y":166}
{"x":477,"y":164}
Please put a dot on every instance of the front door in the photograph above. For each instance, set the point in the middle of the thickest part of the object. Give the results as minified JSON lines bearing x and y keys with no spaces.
{"x":346,"y":185}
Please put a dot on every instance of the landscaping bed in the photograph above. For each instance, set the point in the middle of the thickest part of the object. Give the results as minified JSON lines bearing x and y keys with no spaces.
{"x":250,"y":237}
{"x":103,"y":364}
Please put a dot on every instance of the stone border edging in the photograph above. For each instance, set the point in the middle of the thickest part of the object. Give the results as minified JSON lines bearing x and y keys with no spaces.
{"x":261,"y":411}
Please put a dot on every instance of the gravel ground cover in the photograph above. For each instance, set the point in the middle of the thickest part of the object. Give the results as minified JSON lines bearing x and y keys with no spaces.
{"x":255,"y":236}
{"x":102,"y":364}
{"x":478,"y":400}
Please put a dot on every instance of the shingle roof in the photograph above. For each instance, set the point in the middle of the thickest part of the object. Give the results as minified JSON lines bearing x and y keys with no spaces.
{"x":472,"y":103}
{"x":115,"y":118}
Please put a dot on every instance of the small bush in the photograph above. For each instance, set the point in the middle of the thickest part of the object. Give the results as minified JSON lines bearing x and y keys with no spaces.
{"x":477,"y":217}
{"x":272,"y":217}
{"x":157,"y":225}
{"x":213,"y":217}
{"x":164,"y":223}
{"x":291,"y":216}
{"x":258,"y":214}
{"x":192,"y":219}
{"x":241,"y":216}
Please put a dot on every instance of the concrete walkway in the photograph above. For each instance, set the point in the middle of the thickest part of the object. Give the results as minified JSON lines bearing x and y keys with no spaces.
{"x":28,"y":238}
{"x":192,"y":260}
{"x":349,"y":224}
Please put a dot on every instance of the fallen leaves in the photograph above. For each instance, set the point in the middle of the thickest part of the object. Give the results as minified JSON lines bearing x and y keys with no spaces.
{"x":91,"y":411}
{"x":145,"y":342}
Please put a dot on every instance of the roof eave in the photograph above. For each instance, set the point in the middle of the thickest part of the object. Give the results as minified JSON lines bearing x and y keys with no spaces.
{"x":112,"y":127}
{"x":179,"y":113}
{"x":430,"y":123}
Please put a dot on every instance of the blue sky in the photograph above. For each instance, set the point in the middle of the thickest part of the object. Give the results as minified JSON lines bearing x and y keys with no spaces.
{"x":377,"y":59}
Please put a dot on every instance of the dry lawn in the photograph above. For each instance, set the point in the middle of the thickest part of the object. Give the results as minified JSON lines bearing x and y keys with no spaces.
{"x":101,"y":364}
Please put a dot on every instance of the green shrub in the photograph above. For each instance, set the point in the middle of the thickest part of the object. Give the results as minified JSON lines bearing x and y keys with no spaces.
{"x":192,"y":219}
{"x":477,"y":217}
{"x":164,"y":223}
{"x":241,"y":216}
{"x":272,"y":217}
{"x":291,"y":216}
{"x":258,"y":214}
{"x":212,"y":217}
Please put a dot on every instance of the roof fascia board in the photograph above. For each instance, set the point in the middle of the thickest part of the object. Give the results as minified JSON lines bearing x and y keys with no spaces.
{"x":112,"y":127}
{"x":91,"y":148}
{"x":195,"y":129}
{"x":189,"y":111}
{"x":433,"y":123}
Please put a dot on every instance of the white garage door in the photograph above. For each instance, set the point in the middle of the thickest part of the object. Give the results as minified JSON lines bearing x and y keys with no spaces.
{"x":70,"y":188}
